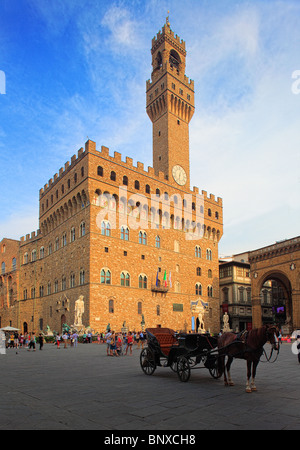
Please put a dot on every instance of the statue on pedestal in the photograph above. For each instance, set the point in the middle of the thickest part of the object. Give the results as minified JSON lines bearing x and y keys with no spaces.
{"x":79,"y":311}
{"x":226,"y":327}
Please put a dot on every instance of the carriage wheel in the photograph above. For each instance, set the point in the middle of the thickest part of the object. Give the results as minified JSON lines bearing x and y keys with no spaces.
{"x":214,"y":370}
{"x":183,"y":369}
{"x":147,"y":361}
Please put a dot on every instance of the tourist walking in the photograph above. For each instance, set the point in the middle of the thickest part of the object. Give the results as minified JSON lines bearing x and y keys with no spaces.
{"x":58,"y":338}
{"x":32,"y":342}
{"x":129,"y":343}
{"x":41,"y":341}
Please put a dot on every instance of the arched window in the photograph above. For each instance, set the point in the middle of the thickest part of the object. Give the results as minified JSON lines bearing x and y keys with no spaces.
{"x":33,"y":255}
{"x":105,"y":228}
{"x":82,"y":229}
{"x":198,"y":271}
{"x":147,"y":189}
{"x":140,"y":308}
{"x":72,"y":234}
{"x":143,"y":238}
{"x":14,"y":264}
{"x":137,"y":185}
{"x":209,"y":274}
{"x":3,"y":266}
{"x":209,"y":291}
{"x":125,"y":279}
{"x":143,"y":281}
{"x":113,"y":176}
{"x":198,"y":251}
{"x":81,"y":277}
{"x":105,"y":276}
{"x":42,"y":252}
{"x":209,"y":254}
{"x":125,"y":180}
{"x":100,"y":171}
{"x":157,"y":242}
{"x":125,"y":233}
{"x":198,"y":289}
{"x":111,"y":306}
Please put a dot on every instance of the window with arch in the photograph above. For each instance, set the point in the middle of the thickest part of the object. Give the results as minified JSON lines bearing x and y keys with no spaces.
{"x":3,"y":268}
{"x":147,"y":189}
{"x":42,"y":252}
{"x":143,"y":281}
{"x":125,"y":233}
{"x":198,"y":289}
{"x":143,"y":238}
{"x":14,"y":264}
{"x":100,"y":171}
{"x":113,"y":176}
{"x":63,"y":283}
{"x":198,"y":271}
{"x":72,"y":280}
{"x":64,"y":240}
{"x":82,"y":277}
{"x":209,"y":291}
{"x":72,"y":234}
{"x":105,"y":277}
{"x":137,"y":185}
{"x":125,"y":279}
{"x":82,"y":229}
{"x":209,"y":274}
{"x":198,"y":251}
{"x":177,"y":287}
{"x":125,"y":180}
{"x":41,"y":291}
{"x":56,"y":244}
{"x":209,"y":254}
{"x":33,"y":255}
{"x":158,"y":310}
{"x":111,"y":306}
{"x":140,"y":308}
{"x":105,"y":228}
{"x":157,"y":241}
{"x":176,"y":246}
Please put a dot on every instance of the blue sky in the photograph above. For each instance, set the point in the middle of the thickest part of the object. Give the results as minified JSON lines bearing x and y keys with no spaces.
{"x":78,"y":68}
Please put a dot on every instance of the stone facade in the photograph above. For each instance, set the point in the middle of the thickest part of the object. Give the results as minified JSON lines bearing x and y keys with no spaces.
{"x":112,"y":231}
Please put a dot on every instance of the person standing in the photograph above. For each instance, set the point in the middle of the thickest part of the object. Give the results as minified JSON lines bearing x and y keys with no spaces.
{"x":108,"y":339}
{"x":58,"y":340}
{"x":41,"y":341}
{"x":129,"y":343}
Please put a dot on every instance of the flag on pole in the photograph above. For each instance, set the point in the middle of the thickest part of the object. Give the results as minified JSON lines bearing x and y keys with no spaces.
{"x":157,"y":279}
{"x":165,"y":279}
{"x":170,"y":280}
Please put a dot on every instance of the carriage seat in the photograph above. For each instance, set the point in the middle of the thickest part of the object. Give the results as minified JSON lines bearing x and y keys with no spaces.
{"x":166,"y":342}
{"x":166,"y":337}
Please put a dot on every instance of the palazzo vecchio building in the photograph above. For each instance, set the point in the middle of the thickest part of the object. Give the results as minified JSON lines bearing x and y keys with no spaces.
{"x":137,"y":243}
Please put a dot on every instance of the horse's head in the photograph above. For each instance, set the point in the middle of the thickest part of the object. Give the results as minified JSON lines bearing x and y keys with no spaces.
{"x":272,"y":334}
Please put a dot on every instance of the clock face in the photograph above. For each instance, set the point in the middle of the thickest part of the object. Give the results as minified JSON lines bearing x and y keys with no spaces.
{"x":179,"y":175}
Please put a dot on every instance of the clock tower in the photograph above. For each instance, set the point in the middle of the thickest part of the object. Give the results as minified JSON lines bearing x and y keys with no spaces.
{"x":170,"y":106}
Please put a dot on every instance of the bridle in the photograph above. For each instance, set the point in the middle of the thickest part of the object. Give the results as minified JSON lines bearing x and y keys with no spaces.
{"x":272,"y":332}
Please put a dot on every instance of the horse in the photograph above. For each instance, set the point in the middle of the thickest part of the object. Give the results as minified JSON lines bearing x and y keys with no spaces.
{"x":248,"y":346}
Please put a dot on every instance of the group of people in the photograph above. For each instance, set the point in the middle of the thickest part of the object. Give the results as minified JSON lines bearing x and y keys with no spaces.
{"x":18,"y":340}
{"x":119,"y":344}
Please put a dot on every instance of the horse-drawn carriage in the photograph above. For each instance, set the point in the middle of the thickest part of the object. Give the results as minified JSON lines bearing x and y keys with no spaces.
{"x":183,"y":352}
{"x":179,"y":351}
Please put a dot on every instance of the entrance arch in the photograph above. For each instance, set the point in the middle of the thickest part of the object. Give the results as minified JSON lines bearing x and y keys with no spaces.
{"x":276,"y":269}
{"x":276,"y":299}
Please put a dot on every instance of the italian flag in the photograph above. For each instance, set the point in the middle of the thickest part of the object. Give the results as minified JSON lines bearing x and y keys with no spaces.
{"x":165,"y":279}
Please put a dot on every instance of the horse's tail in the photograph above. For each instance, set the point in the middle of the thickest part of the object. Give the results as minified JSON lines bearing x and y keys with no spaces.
{"x":221,"y":359}
{"x":220,"y":365}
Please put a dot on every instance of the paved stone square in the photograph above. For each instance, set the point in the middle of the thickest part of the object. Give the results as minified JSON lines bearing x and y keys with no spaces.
{"x":83,"y":389}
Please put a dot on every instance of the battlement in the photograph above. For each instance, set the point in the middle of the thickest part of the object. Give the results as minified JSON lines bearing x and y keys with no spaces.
{"x":62,"y":171}
{"x":166,"y":31}
{"x":90,"y":147}
{"x":30,"y":237}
